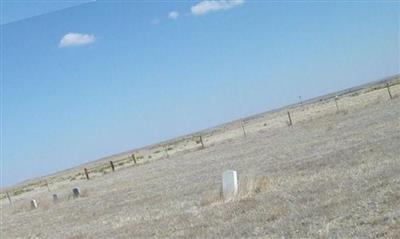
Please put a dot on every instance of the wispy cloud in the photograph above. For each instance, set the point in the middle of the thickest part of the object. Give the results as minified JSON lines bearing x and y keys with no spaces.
{"x":208,"y":6}
{"x":76,"y":39}
{"x":173,"y":15}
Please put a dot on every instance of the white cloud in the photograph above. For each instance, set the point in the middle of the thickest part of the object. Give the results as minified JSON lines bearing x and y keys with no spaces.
{"x":173,"y":15}
{"x":207,"y":6}
{"x":76,"y":39}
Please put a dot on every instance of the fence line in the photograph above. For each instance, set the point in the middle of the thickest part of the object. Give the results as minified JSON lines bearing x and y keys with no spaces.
{"x":289,"y":115}
{"x":134,"y":157}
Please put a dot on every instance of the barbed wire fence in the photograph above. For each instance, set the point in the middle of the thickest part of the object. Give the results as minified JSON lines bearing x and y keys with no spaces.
{"x":199,"y":140}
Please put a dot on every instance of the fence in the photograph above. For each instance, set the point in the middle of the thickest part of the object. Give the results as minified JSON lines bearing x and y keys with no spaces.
{"x":284,"y":117}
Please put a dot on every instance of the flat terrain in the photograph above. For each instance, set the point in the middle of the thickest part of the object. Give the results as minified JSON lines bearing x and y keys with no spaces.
{"x":331,"y":175}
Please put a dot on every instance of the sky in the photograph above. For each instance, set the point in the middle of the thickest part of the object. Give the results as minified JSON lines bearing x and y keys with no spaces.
{"x":15,"y":10}
{"x":94,"y":79}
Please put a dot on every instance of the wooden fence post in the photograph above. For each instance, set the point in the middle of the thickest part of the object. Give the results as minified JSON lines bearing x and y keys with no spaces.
{"x":201,"y":141}
{"x":244,"y":131}
{"x":166,"y":152}
{"x":133,"y":158}
{"x":47,"y":185}
{"x":9,"y":198}
{"x":388,"y":89}
{"x":336,"y":102}
{"x":290,"y":118}
{"x":86,"y":173}
{"x":112,"y":166}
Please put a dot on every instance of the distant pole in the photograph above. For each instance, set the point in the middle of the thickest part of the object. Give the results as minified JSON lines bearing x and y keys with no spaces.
{"x":301,"y":102}
{"x":336,"y":102}
{"x":388,"y":89}
{"x":9,"y":198}
{"x":166,"y":152}
{"x":201,"y":141}
{"x":86,"y":173}
{"x":244,"y":131}
{"x":290,"y":118}
{"x":47,"y":185}
{"x":133,"y":158}
{"x":112,"y":166}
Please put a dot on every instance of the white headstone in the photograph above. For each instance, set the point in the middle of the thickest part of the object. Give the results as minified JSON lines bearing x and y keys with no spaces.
{"x":34,"y":204}
{"x":229,"y":185}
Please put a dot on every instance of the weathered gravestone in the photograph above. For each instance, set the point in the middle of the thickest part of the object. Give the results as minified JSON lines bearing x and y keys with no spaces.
{"x":34,"y":204}
{"x":76,"y":192}
{"x":55,"y":198}
{"x":229,"y":185}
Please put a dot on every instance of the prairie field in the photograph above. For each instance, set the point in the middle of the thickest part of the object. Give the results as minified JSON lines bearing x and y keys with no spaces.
{"x":333,"y":173}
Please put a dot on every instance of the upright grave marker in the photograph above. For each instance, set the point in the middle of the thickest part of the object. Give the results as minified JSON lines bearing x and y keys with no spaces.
{"x":55,"y":198}
{"x":34,"y":204}
{"x":76,"y":192}
{"x":229,"y":185}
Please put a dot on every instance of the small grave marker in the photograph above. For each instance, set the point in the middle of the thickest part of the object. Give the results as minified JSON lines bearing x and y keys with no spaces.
{"x":76,"y":192}
{"x":229,"y":185}
{"x":55,"y":198}
{"x":34,"y":204}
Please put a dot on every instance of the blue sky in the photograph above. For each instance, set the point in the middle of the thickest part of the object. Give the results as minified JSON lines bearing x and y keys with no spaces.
{"x":15,"y":10}
{"x":99,"y":78}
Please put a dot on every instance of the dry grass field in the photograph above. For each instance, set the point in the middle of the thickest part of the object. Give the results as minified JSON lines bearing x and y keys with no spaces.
{"x":329,"y":175}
